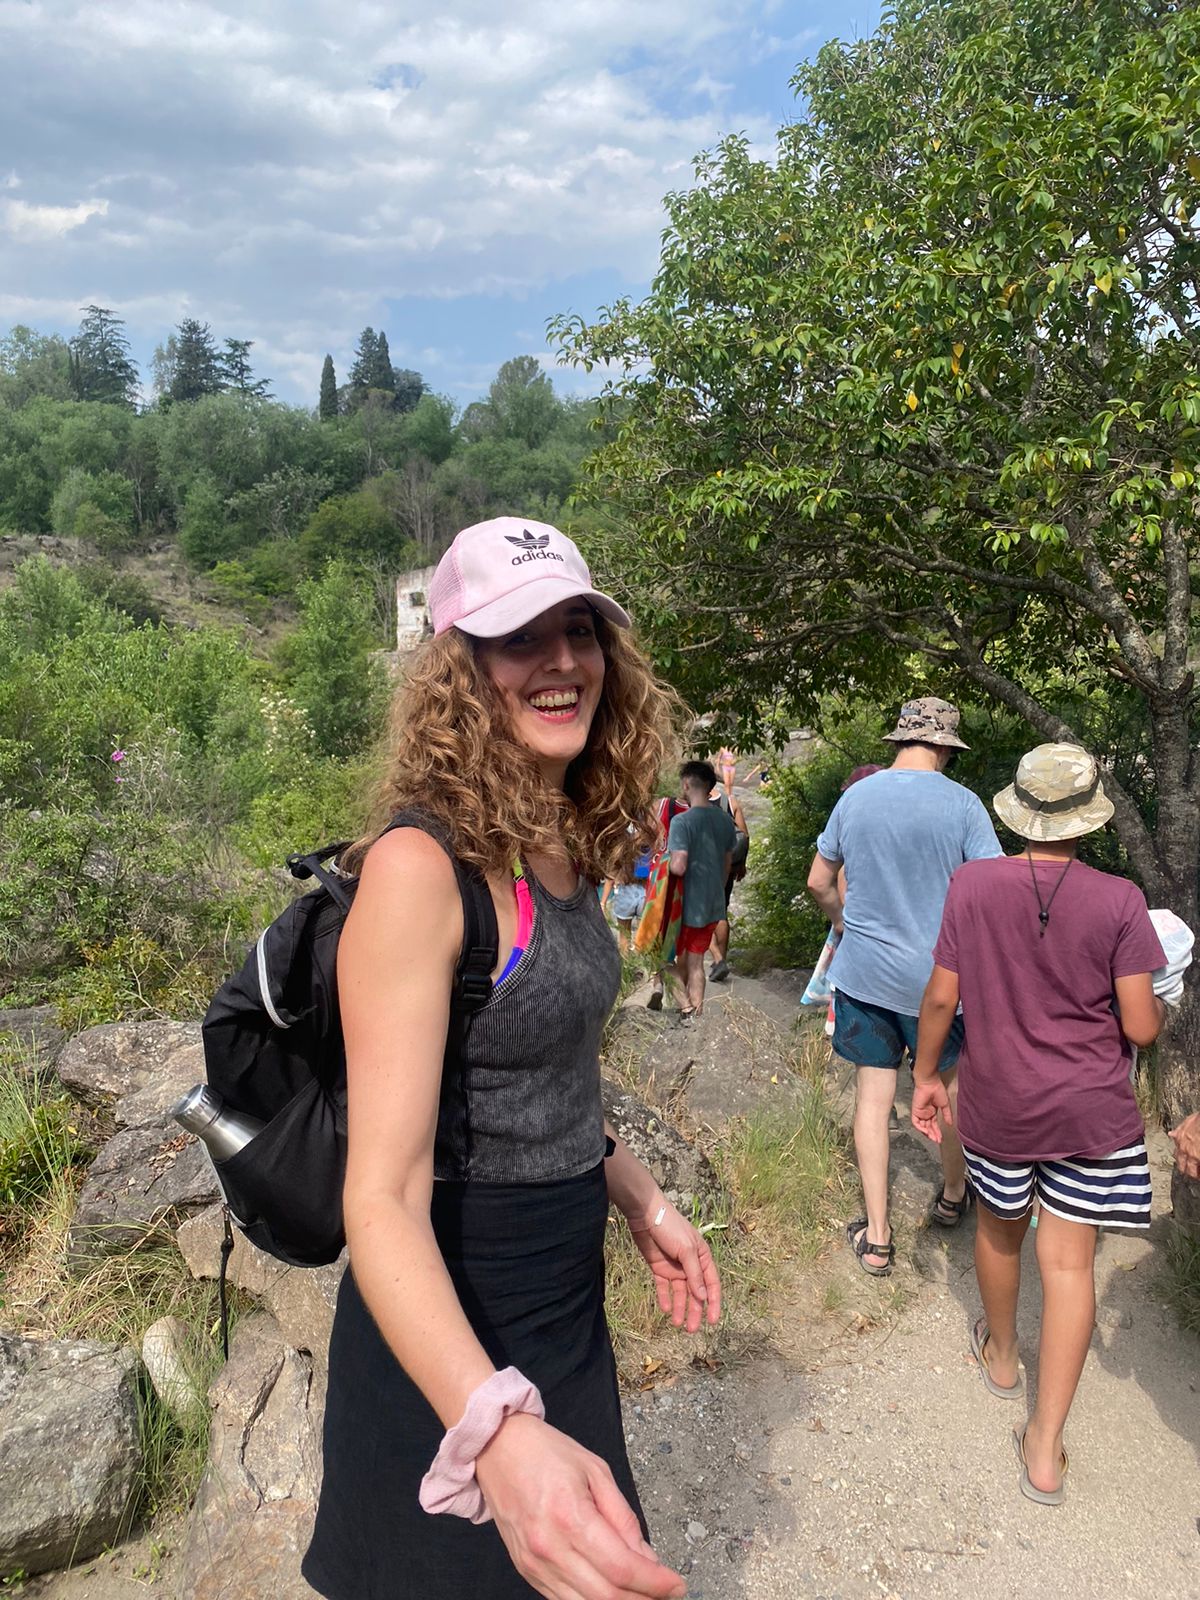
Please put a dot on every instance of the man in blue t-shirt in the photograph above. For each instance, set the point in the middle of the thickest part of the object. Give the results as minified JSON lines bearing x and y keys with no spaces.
{"x":700,"y":842}
{"x":899,"y":834}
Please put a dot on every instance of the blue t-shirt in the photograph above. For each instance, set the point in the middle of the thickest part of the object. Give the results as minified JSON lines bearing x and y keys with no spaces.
{"x":707,"y":834}
{"x":899,"y":835}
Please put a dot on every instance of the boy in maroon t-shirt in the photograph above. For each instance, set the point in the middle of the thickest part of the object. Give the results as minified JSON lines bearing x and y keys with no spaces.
{"x":1052,"y":963}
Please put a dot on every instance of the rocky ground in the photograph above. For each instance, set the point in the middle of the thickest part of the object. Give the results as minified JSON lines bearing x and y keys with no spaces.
{"x":855,"y":1452}
{"x":864,"y":1458}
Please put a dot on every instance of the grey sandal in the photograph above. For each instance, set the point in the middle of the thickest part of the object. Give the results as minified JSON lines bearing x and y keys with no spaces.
{"x":1042,"y":1497}
{"x":979,"y":1339}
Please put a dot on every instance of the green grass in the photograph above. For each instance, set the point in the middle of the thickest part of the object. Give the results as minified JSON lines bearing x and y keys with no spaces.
{"x":40,"y":1141}
{"x":117,"y":1298}
{"x":1180,"y":1279}
{"x":781,"y":1178}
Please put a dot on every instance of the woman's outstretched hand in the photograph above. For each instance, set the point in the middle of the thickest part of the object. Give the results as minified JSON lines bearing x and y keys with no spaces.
{"x":570,"y":1531}
{"x":929,"y":1101}
{"x":685,"y":1275}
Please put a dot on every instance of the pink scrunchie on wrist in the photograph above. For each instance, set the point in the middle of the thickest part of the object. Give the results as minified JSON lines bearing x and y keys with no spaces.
{"x":450,"y":1484}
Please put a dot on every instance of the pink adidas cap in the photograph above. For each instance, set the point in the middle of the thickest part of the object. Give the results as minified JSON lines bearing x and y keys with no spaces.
{"x":499,"y":575}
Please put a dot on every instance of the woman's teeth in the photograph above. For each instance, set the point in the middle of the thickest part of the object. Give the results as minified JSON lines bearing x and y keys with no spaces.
{"x":562,"y":700}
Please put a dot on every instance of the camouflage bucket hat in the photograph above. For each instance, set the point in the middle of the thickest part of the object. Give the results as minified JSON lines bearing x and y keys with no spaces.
{"x":928,"y":721}
{"x":1057,"y":794}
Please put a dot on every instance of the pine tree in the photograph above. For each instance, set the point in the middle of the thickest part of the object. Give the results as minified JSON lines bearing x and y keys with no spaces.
{"x":234,"y":372}
{"x":365,"y":360}
{"x":101,"y":367}
{"x":328,"y":407}
{"x":197,"y":372}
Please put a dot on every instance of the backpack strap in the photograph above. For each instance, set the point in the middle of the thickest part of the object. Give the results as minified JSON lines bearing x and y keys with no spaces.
{"x":481,"y":938}
{"x":313,"y":866}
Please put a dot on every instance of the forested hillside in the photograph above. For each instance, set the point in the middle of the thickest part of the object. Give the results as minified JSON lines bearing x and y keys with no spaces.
{"x":258,"y":495}
{"x":159,"y":759}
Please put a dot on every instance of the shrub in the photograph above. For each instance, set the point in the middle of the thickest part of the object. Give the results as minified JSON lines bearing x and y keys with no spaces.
{"x":329,"y":658}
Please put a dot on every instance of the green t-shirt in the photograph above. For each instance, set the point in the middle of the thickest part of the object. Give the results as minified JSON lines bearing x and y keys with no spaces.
{"x":706,"y":833}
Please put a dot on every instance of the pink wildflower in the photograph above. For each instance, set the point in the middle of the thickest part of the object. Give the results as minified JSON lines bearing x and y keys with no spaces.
{"x":117,"y":755}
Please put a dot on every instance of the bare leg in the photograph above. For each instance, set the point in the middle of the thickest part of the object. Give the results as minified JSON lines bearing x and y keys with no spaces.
{"x":874,"y":1092}
{"x":692,"y":962}
{"x":623,"y":932}
{"x":720,"y":941}
{"x":998,"y":1268}
{"x":1066,"y":1257}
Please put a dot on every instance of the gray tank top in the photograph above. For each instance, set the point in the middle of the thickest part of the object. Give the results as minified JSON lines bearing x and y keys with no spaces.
{"x":522,"y":1105}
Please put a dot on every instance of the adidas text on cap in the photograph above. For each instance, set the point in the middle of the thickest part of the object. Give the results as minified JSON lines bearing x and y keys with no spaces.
{"x":499,"y":575}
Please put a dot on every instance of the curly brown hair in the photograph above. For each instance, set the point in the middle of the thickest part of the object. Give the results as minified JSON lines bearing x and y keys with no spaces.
{"x":453,"y":756}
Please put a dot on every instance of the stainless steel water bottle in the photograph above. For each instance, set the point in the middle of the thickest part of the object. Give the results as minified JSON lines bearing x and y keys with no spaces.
{"x":221,"y":1129}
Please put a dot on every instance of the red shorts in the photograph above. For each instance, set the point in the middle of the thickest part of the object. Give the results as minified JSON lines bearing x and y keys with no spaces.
{"x":695,"y":940}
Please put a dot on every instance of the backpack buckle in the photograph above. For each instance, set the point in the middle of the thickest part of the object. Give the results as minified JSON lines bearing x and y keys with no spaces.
{"x":475,"y":987}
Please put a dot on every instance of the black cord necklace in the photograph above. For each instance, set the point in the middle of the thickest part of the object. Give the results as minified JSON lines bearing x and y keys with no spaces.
{"x":1044,"y":908}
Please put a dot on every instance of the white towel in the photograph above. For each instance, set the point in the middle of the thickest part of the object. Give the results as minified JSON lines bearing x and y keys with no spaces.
{"x":1177,"y":940}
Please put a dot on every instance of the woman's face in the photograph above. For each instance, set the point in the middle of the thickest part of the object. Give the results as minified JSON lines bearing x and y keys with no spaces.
{"x":550,"y":676}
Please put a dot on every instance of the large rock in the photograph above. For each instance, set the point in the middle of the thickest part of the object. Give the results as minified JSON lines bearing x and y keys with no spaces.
{"x":143,"y":1179}
{"x":37,"y":1029}
{"x":69,"y":1450}
{"x":121,"y":1058}
{"x":683,"y":1173}
{"x":301,"y":1299}
{"x":253,"y":1515}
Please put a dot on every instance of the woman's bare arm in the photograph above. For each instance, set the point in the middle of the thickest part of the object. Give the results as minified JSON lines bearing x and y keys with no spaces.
{"x":396,"y":966}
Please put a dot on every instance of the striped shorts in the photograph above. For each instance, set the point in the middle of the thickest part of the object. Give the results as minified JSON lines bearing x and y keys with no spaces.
{"x":1107,"y":1191}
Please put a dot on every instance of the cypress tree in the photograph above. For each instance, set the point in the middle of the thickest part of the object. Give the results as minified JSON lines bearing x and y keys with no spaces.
{"x":328,"y":406}
{"x":381,"y":371}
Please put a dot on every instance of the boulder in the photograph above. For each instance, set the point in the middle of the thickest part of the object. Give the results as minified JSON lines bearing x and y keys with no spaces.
{"x":120,"y":1058}
{"x":253,"y":1514}
{"x":69,"y":1450}
{"x":683,"y":1173}
{"x":301,"y":1299}
{"x":143,"y":1178}
{"x":37,"y":1029}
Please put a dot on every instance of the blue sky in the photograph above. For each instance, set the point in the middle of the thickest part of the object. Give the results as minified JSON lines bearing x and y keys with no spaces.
{"x":292,"y":170}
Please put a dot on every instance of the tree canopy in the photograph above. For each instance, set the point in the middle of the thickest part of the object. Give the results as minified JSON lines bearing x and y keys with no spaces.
{"x":924,"y":388}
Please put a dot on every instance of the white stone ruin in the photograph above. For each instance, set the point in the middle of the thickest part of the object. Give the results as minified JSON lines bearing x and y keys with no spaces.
{"x":412,"y":608}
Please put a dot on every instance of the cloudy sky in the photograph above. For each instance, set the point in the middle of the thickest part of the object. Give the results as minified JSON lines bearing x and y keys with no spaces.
{"x":291,"y":170}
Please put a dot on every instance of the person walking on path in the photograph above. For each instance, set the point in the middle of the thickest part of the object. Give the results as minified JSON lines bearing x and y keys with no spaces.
{"x":732,"y":807}
{"x":1038,"y":947}
{"x":899,"y":834}
{"x":700,"y":842}
{"x":473,"y":1441}
{"x":627,"y":898}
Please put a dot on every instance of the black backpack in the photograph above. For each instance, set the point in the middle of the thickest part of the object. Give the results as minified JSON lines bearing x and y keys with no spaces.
{"x":273,"y":1050}
{"x":741,"y":839}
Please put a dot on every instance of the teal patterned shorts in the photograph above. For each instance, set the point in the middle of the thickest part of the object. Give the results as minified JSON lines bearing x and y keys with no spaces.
{"x":873,"y":1036}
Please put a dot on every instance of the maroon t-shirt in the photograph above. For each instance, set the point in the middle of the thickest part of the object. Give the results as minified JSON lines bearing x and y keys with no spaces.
{"x":1045,"y":1071}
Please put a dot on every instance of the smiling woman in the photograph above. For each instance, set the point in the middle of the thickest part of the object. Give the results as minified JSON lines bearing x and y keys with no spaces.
{"x":473,"y":1440}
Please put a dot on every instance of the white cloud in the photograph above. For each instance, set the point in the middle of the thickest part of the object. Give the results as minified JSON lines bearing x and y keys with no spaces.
{"x":289,"y":168}
{"x":25,"y":221}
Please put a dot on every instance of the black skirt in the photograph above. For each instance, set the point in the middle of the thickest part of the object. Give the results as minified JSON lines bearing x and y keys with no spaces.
{"x":527,"y":1262}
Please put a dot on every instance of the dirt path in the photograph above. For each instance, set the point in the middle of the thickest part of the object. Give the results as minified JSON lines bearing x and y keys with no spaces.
{"x":862,"y":1457}
{"x":880,"y":1466}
